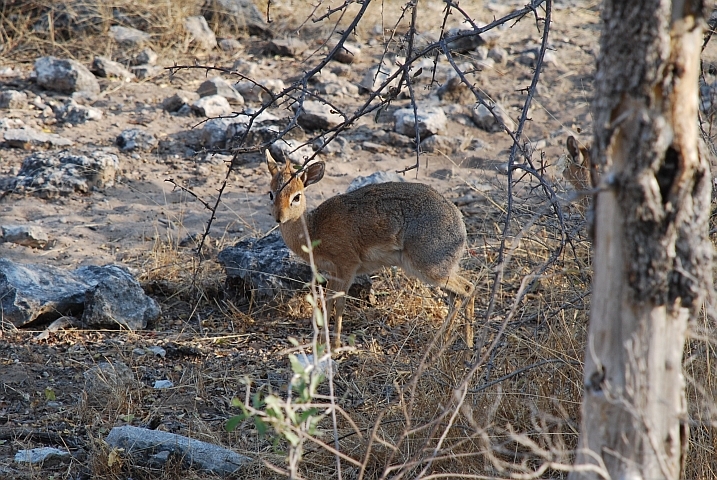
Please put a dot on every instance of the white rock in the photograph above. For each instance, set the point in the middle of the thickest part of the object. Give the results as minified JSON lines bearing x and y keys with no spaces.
{"x":431,"y":121}
{"x":201,"y":34}
{"x":212,"y":106}
{"x":485,"y":120}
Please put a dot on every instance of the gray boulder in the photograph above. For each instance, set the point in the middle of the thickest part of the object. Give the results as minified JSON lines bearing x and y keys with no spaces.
{"x":143,"y":444}
{"x":65,"y":76}
{"x":136,"y":139}
{"x":106,"y":296}
{"x":219,"y":86}
{"x":49,"y":175}
{"x":44,"y":456}
{"x":287,"y":47}
{"x":212,"y":106}
{"x":13,"y":99}
{"x":200,"y":33}
{"x":27,"y":138}
{"x":28,"y":235}
{"x":74,"y":113}
{"x":128,"y":36}
{"x":106,"y":68}
{"x":485,"y":120}
{"x":318,"y":116}
{"x":431,"y":121}
{"x":377,"y":177}
{"x":238,"y":15}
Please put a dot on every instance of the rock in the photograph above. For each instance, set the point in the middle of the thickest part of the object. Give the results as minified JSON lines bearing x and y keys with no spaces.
{"x":254,"y":93}
{"x":336,"y":147}
{"x":485,"y":120}
{"x":200,"y":33}
{"x":348,"y":54}
{"x":214,"y":133}
{"x":288,"y":47}
{"x":212,"y":106}
{"x":136,"y":139}
{"x":294,"y":150}
{"x":378,"y":177}
{"x":464,"y":44}
{"x":106,"y":68}
{"x":162,"y":384}
{"x":105,"y":379}
{"x":318,"y":116}
{"x":431,"y":121}
{"x":49,"y":175}
{"x":455,"y":91}
{"x":264,"y":268}
{"x":374,"y":78}
{"x":219,"y":86}
{"x":45,"y":456}
{"x":128,"y":36}
{"x":141,"y":442}
{"x":144,"y":72}
{"x":442,"y":144}
{"x":75,"y":114}
{"x":28,"y":235}
{"x":13,"y":99}
{"x":230,"y":45}
{"x":145,"y":57}
{"x":157,"y":351}
{"x":27,"y":138}
{"x":340,"y":86}
{"x":238,"y":15}
{"x":107,"y":296}
{"x":178,"y":100}
{"x":64,"y":76}
{"x":115,"y":299}
{"x":498,"y":54}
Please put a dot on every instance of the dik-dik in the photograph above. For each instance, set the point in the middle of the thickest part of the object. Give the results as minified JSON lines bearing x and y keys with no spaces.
{"x":409,"y":225}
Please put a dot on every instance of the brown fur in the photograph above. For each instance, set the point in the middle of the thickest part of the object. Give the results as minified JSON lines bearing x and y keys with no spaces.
{"x":388,"y":224}
{"x":581,"y":172}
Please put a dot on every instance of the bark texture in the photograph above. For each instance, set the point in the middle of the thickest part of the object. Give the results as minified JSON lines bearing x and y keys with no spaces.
{"x":653,"y":256}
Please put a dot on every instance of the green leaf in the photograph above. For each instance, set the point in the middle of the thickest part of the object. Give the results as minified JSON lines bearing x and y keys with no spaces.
{"x":260,"y":426}
{"x":294,"y":341}
{"x":234,"y":422}
{"x":306,"y":414}
{"x":296,"y":366}
{"x":50,"y":394}
{"x":319,"y":315}
{"x":292,"y":438}
{"x":315,"y":243}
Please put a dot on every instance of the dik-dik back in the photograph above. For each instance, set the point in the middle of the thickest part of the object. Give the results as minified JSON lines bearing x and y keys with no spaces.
{"x":388,"y":224}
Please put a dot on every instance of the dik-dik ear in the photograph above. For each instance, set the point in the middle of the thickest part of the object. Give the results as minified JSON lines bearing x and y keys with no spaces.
{"x":271,"y":163}
{"x":312,"y":173}
{"x":573,"y":147}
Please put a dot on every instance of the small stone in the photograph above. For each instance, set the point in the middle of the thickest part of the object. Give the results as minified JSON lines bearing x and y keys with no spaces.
{"x":27,"y":138}
{"x":291,"y":149}
{"x":178,"y":100}
{"x":254,"y":93}
{"x":146,"y":57}
{"x":45,"y":456}
{"x":431,"y":121}
{"x":377,"y":177}
{"x":230,"y":45}
{"x":212,"y":106}
{"x":219,"y":86}
{"x":198,"y":29}
{"x":162,"y":384}
{"x":348,"y":54}
{"x":498,"y":54}
{"x":442,"y":144}
{"x":64,"y":76}
{"x":136,"y":139}
{"x":146,"y":71}
{"x":158,"y":351}
{"x":485,"y":120}
{"x":128,"y":36}
{"x":13,"y":99}
{"x":288,"y":47}
{"x":28,"y":235}
{"x":375,"y":77}
{"x":104,"y":67}
{"x":75,"y":114}
{"x":237,"y":15}
{"x":455,"y":91}
{"x":318,"y":116}
{"x":464,"y":44}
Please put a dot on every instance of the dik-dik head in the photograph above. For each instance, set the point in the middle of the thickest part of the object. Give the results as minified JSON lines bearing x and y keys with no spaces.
{"x":580,"y":170}
{"x":287,"y":188}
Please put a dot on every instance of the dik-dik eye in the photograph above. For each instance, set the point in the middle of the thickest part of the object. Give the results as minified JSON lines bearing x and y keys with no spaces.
{"x":296,"y":198}
{"x":271,"y":196}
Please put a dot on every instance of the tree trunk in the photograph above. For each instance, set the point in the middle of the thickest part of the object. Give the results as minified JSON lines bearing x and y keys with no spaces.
{"x":653,"y":256}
